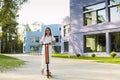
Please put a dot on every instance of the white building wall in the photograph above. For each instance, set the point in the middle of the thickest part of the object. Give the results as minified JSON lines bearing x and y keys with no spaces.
{"x":78,"y":30}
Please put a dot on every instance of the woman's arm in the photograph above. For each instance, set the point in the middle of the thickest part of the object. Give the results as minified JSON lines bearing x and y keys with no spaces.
{"x":53,"y":41}
{"x":41,"y":41}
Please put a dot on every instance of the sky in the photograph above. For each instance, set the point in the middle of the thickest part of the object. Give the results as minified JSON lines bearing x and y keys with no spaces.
{"x":45,"y":11}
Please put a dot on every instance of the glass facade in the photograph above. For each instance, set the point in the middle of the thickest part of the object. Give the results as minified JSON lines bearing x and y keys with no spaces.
{"x":101,"y":16}
{"x":114,"y":2}
{"x":95,"y":43}
{"x":115,"y":41}
{"x":99,"y":13}
{"x":94,"y":7}
{"x":94,"y":14}
{"x":57,"y":49}
{"x":88,"y":18}
{"x":114,"y":10}
{"x":114,"y":14}
{"x":66,"y":30}
{"x":66,"y":46}
{"x":57,"y":38}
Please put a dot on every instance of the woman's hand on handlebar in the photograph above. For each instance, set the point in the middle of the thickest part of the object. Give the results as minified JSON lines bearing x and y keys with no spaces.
{"x":41,"y":43}
{"x":52,"y":43}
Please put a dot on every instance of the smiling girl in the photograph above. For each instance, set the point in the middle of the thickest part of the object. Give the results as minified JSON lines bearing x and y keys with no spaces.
{"x":47,"y":38}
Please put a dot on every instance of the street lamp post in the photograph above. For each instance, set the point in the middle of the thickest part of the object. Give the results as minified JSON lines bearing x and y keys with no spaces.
{"x":12,"y":47}
{"x":14,"y":36}
{"x":7,"y":41}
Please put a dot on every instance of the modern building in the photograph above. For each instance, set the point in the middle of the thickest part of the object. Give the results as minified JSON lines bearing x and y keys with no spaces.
{"x":95,"y":27}
{"x":32,"y":39}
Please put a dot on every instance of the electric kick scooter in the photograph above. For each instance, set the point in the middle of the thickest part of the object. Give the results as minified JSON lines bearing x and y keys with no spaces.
{"x":47,"y":59}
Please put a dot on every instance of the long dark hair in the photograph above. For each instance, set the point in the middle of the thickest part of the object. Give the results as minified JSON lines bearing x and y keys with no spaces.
{"x":46,"y":33}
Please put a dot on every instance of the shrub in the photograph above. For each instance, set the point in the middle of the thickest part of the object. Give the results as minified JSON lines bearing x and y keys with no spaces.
{"x":93,"y":55}
{"x":113,"y":54}
{"x":78,"y":55}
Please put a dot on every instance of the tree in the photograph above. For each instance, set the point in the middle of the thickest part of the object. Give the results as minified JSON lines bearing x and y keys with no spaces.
{"x":26,"y":27}
{"x":8,"y":17}
{"x":37,"y":26}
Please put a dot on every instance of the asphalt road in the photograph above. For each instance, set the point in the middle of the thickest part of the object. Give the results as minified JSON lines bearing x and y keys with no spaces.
{"x":62,"y":69}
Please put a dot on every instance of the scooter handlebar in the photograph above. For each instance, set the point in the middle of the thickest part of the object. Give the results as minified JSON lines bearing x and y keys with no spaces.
{"x":46,"y":44}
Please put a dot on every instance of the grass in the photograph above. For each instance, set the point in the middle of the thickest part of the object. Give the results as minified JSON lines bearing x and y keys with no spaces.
{"x":115,"y":60}
{"x":7,"y":63}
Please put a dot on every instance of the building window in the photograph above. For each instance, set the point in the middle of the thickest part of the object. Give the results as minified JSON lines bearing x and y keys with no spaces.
{"x":115,"y":41}
{"x":60,"y":29}
{"x":95,"y":43}
{"x":57,"y":49}
{"x":56,"y":38}
{"x":101,"y":17}
{"x":94,"y":14}
{"x":114,"y":10}
{"x":114,"y":2}
{"x":95,"y":7}
{"x":66,"y":46}
{"x":66,"y":30}
{"x":88,"y":18}
{"x":114,"y":14}
{"x":34,"y":48}
{"x":60,"y":38}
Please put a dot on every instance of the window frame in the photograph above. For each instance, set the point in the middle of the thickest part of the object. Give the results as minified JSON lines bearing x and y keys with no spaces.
{"x":97,"y":43}
{"x":66,"y":28}
{"x":96,"y":10}
{"x":113,"y":4}
{"x":109,"y":7}
{"x":57,"y":39}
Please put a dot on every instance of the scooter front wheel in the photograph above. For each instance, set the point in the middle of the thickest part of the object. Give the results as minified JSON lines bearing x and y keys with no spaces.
{"x":49,"y":75}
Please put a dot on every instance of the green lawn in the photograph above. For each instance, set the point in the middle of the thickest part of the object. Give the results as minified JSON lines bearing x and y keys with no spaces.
{"x":115,"y":60}
{"x":7,"y":63}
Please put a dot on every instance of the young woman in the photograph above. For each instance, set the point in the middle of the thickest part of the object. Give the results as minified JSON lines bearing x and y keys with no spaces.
{"x":47,"y":38}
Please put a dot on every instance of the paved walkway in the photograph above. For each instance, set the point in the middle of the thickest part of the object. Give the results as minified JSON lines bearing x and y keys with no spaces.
{"x":62,"y":69}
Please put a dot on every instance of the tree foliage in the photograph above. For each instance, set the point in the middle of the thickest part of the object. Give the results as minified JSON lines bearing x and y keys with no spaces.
{"x":26,"y":27}
{"x":8,"y":22}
